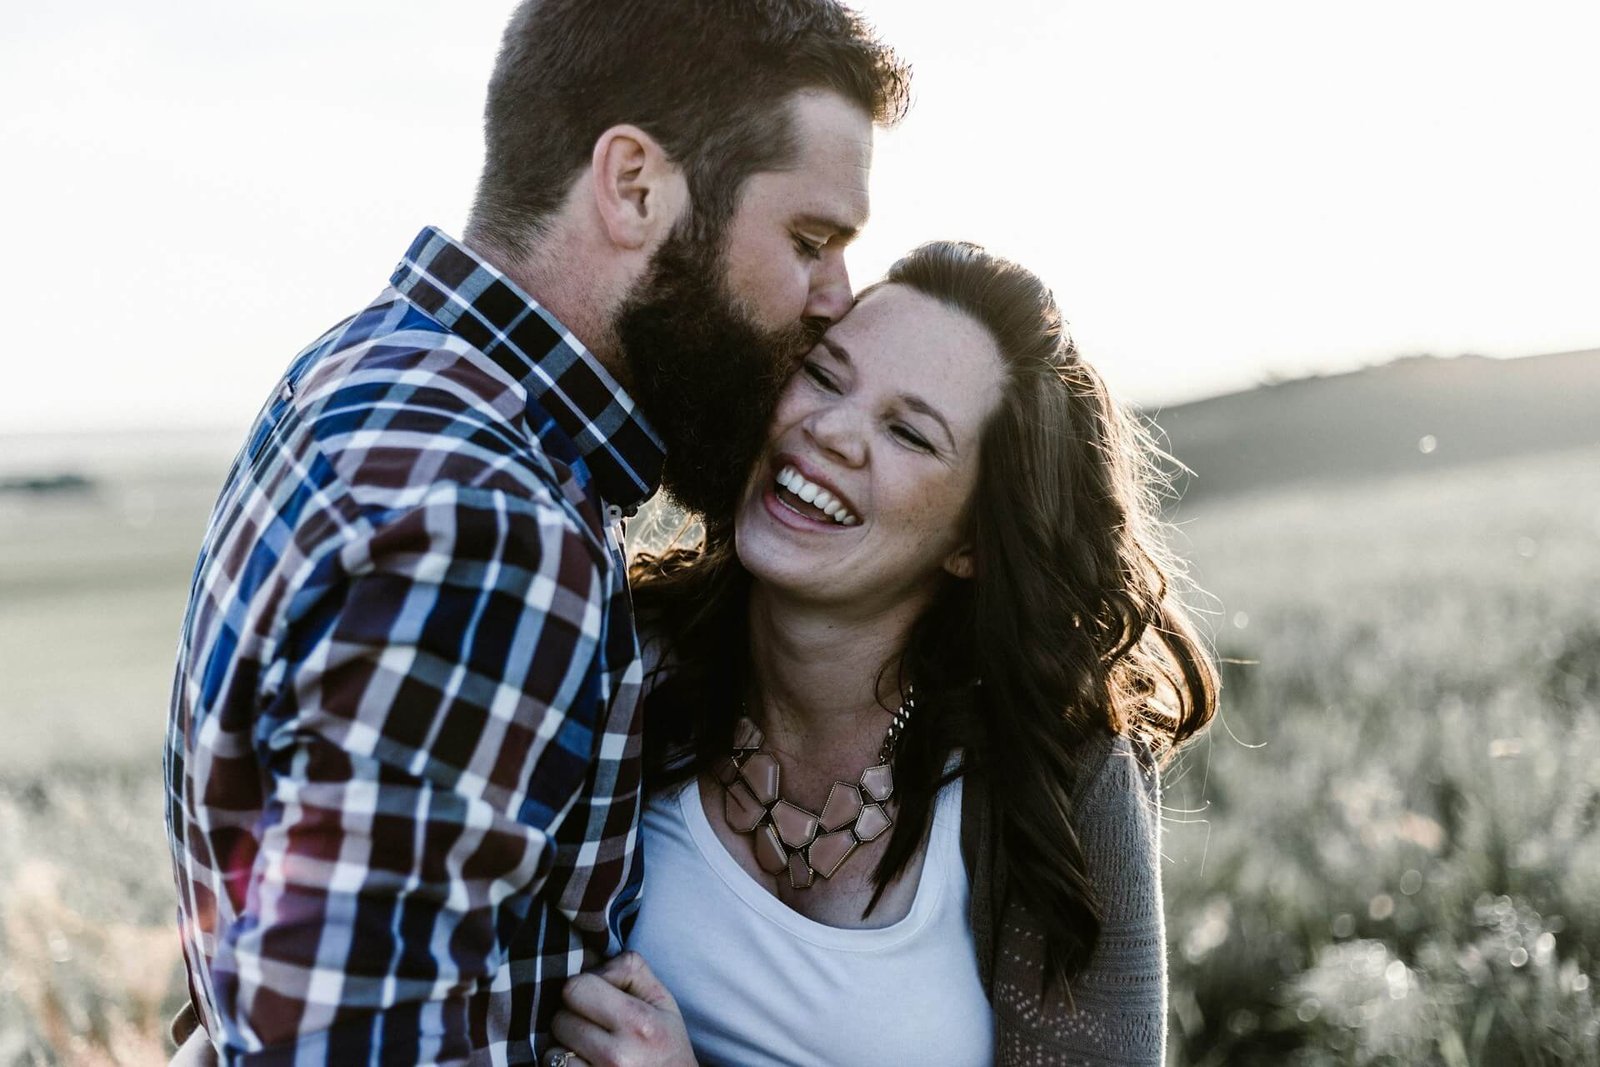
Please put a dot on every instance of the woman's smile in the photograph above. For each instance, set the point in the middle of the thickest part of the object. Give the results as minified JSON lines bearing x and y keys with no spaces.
{"x":874,"y":444}
{"x":805,"y":497}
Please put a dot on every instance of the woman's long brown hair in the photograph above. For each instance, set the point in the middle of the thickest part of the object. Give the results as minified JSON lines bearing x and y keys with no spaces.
{"x":1069,"y":627}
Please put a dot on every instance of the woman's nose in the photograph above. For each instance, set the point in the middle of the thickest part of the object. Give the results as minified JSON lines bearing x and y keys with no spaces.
{"x":837,"y":429}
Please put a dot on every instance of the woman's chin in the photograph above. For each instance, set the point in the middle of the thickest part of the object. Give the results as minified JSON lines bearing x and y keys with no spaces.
{"x":793,"y":552}
{"x":775,"y":559}
{"x":767,"y":558}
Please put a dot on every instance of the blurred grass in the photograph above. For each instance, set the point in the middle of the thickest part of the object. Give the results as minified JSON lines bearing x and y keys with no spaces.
{"x":1387,"y":848}
{"x":1385,"y":852}
{"x":92,"y":589}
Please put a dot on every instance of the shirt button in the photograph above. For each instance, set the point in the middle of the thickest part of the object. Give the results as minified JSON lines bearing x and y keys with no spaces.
{"x":286,"y":393}
{"x":613,"y":513}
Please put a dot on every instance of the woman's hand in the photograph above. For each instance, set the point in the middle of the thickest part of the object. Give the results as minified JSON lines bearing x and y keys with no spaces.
{"x":619,"y":1015}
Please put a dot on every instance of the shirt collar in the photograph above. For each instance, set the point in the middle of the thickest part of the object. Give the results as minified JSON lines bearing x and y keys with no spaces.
{"x":564,"y":380}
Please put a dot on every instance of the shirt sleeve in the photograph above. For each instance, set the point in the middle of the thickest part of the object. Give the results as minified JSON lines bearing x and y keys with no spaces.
{"x":434,"y":722}
{"x":1124,"y":987}
{"x":1115,"y":1013}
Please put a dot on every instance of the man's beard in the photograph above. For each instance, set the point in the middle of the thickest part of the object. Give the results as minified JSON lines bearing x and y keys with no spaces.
{"x":705,"y":376}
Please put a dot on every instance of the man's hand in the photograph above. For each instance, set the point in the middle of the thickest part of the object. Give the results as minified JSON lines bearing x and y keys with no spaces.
{"x":620,"y":1015}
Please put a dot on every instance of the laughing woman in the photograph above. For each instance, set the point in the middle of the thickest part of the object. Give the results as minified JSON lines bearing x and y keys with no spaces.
{"x":903,"y":748}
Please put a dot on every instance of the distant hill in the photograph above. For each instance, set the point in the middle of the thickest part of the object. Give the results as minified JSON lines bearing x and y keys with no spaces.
{"x":1414,"y":414}
{"x":47,"y":483}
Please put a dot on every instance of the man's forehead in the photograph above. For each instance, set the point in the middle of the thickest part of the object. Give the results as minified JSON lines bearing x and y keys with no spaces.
{"x":833,"y":158}
{"x":828,"y":198}
{"x":816,"y":200}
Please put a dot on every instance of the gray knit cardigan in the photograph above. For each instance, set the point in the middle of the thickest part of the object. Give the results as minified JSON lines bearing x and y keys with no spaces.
{"x":1116,"y":1009}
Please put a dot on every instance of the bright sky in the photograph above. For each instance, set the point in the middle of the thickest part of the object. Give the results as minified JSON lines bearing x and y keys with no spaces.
{"x":1218,"y":192}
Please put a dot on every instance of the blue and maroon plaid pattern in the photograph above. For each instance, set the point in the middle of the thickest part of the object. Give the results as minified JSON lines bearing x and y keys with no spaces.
{"x":402,"y":762}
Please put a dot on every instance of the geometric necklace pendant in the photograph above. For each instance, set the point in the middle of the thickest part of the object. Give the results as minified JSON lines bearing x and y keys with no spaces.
{"x":789,"y":838}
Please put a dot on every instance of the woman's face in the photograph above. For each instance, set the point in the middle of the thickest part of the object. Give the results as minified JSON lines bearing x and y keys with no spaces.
{"x":880,"y":427}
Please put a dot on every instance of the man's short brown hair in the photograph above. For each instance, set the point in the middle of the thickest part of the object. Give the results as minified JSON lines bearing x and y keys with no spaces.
{"x":709,"y":79}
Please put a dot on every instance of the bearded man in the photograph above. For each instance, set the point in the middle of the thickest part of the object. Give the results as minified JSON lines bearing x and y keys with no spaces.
{"x":403,"y":755}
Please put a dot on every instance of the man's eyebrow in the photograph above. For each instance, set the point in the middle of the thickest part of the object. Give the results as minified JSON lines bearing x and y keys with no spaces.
{"x":841,"y":230}
{"x":910,"y":400}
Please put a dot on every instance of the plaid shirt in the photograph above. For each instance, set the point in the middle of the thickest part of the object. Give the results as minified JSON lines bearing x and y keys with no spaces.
{"x":403,"y":758}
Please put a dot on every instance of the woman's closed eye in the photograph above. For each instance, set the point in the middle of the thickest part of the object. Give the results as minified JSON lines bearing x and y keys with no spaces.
{"x":911,"y":437}
{"x":820,"y":376}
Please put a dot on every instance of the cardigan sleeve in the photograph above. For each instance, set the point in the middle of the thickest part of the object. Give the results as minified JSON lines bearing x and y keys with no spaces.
{"x":1116,"y":1011}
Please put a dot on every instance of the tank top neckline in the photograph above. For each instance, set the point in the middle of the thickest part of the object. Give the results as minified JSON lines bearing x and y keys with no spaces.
{"x":930,"y":880}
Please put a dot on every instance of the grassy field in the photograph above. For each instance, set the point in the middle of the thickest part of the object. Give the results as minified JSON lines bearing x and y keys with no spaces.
{"x":1384,"y":853}
{"x":92,"y":590}
{"x":1387,"y":850}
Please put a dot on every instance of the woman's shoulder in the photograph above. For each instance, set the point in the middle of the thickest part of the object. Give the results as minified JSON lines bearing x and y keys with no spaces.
{"x":1117,"y":816}
{"x":1116,"y":770}
{"x":1116,"y":813}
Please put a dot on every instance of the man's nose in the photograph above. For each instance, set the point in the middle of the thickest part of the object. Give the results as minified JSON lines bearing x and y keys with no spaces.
{"x":831,"y":295}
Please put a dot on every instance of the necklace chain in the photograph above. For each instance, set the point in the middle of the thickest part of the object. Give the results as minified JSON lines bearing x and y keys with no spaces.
{"x":793,"y":839}
{"x":897,"y":726}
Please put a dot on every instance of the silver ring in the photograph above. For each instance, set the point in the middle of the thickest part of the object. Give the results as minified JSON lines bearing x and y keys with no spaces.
{"x":557,"y":1057}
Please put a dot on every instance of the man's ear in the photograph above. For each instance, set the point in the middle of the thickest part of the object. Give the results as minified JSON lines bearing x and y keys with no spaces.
{"x":960,"y":562}
{"x":638,"y":191}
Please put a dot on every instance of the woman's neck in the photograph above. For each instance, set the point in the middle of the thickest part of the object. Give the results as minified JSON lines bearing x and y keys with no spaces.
{"x":824,"y":678}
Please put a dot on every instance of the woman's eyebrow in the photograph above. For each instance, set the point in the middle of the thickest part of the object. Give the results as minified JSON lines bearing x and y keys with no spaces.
{"x":839,"y":351}
{"x":917,"y":404}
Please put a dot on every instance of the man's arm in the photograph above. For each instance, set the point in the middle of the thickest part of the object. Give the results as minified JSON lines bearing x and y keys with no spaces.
{"x":435,"y":721}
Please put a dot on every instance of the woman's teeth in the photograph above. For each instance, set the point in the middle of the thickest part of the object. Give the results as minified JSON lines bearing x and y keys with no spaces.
{"x":813,"y":494}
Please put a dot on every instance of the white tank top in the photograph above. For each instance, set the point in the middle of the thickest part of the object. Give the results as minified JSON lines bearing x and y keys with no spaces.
{"x":761,"y":985}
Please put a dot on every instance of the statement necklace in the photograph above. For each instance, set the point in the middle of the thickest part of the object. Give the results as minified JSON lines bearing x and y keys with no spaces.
{"x":791,"y":838}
